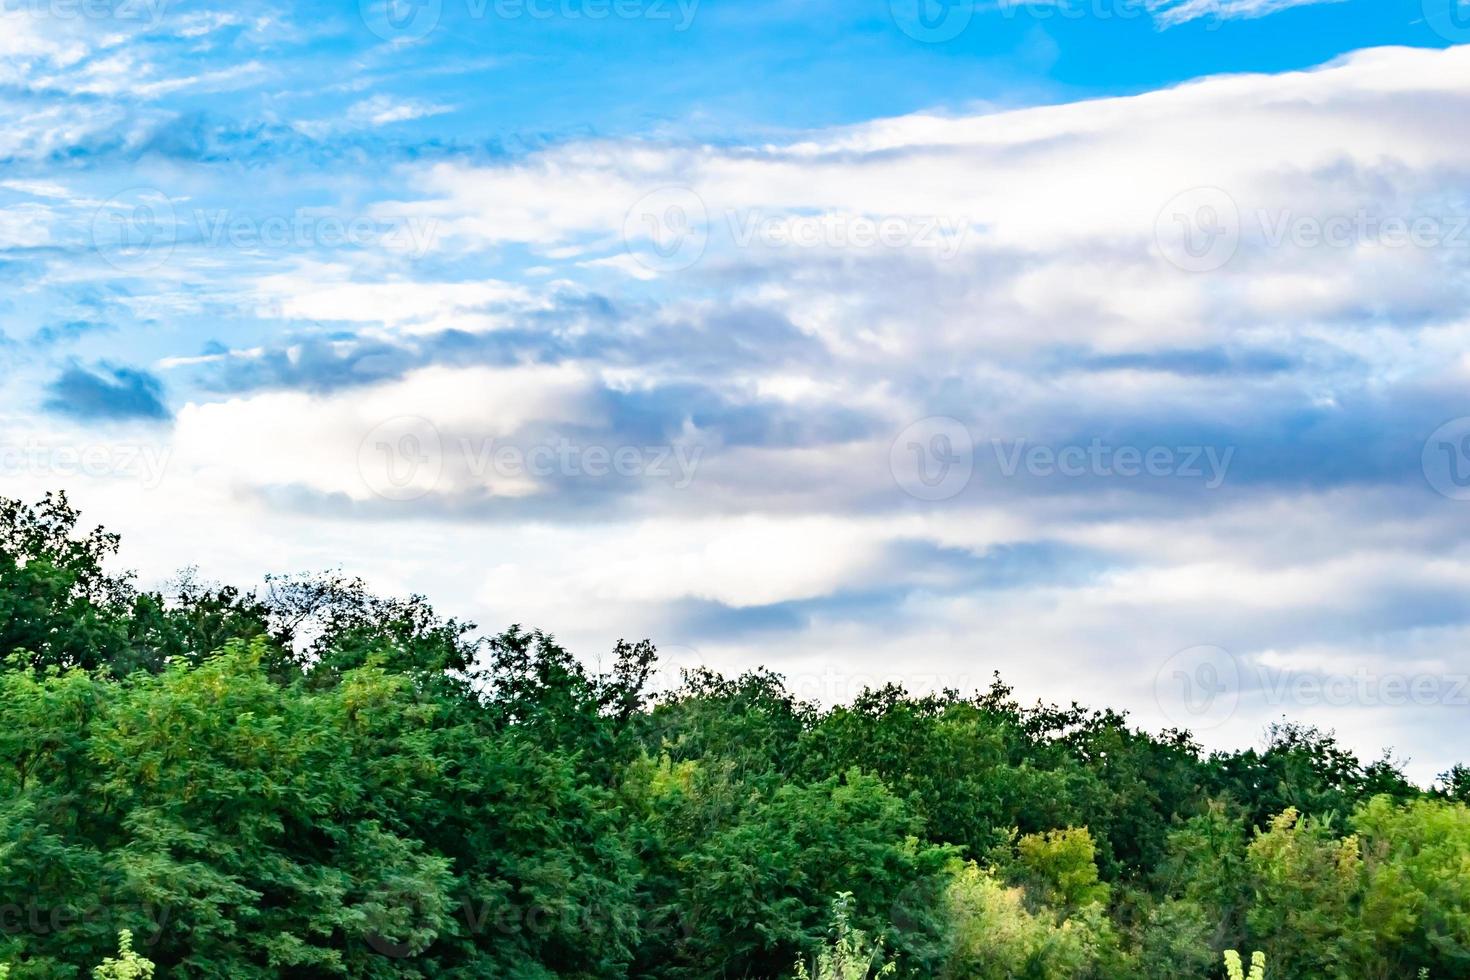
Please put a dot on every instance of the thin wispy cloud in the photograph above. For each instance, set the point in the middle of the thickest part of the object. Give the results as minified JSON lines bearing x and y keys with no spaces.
{"x":1172,"y":12}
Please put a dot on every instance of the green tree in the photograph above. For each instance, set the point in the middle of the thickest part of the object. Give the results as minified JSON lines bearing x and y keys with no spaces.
{"x":127,"y":965}
{"x":742,"y":867}
{"x":1061,"y":865}
{"x":1306,"y":881}
{"x":1303,"y":768}
{"x":1415,"y":901}
{"x":313,"y":780}
{"x":968,"y":768}
{"x":849,"y":956}
{"x":999,"y":932}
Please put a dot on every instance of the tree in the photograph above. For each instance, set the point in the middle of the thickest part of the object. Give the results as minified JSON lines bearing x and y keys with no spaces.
{"x":999,"y":932}
{"x":743,"y":867}
{"x":1236,"y":971}
{"x":60,"y":606}
{"x":850,"y":956}
{"x":1303,"y":768}
{"x":1415,"y":902}
{"x":1061,"y":865}
{"x":128,"y":965}
{"x":314,"y":780}
{"x":968,"y":768}
{"x":1306,"y":881}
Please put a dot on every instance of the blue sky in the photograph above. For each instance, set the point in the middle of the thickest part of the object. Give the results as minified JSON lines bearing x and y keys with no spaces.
{"x":1116,"y":345}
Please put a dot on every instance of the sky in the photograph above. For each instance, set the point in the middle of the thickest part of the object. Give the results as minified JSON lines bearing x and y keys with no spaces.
{"x":1116,"y":346}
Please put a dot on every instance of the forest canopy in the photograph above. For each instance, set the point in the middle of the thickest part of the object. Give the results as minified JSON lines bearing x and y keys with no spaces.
{"x":306,"y":779}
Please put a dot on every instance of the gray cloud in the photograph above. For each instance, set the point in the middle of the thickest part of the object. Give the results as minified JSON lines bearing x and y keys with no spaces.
{"x":107,"y":393}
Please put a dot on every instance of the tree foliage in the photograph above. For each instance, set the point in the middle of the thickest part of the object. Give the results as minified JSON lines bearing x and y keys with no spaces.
{"x":307,"y":779}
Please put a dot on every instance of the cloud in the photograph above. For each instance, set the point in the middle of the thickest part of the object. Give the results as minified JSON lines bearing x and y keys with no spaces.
{"x":1172,"y":12}
{"x":1058,"y":214}
{"x":329,"y":293}
{"x":107,"y":393}
{"x":327,"y":443}
{"x":381,"y":110}
{"x":1035,"y":287}
{"x":1062,"y":322}
{"x":314,"y":364}
{"x":62,"y":333}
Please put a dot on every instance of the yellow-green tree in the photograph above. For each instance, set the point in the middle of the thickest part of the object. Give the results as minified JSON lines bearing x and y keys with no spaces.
{"x":127,"y":965}
{"x":1235,"y":970}
{"x":849,"y":955}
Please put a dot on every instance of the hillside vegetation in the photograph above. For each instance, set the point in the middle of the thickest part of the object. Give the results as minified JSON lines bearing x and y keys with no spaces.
{"x":308,"y":780}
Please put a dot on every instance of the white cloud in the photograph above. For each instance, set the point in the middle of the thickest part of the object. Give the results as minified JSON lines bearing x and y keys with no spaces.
{"x":325,"y":292}
{"x":381,"y":110}
{"x":738,"y":561}
{"x":796,"y":366}
{"x":1171,"y":12}
{"x":37,"y":188}
{"x":25,"y":226}
{"x":1066,"y":206}
{"x":324,"y":443}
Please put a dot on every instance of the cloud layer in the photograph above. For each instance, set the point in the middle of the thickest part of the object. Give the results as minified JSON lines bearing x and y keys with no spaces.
{"x":1142,"y":397}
